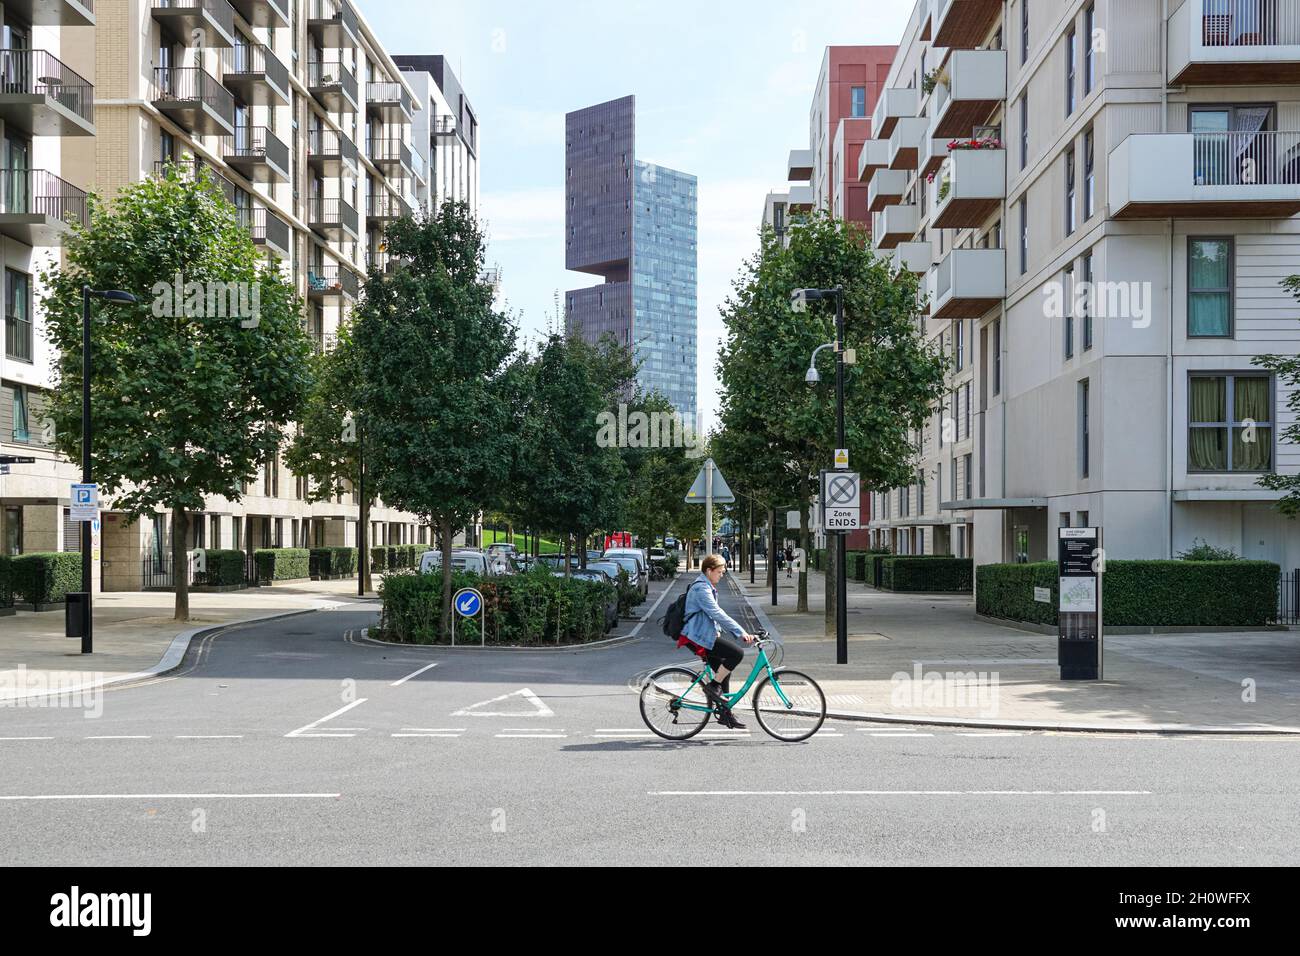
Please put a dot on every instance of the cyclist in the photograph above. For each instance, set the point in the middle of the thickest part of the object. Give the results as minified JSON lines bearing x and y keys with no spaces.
{"x":705,"y":621}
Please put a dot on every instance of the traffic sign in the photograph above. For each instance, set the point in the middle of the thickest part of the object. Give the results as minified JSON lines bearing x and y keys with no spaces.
{"x":841,"y":458}
{"x":467,"y":602}
{"x":16,"y":460}
{"x":85,"y":502}
{"x":721,"y":492}
{"x":841,"y":500}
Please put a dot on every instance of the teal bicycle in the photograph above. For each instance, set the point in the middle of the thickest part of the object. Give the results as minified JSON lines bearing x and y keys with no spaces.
{"x":788,"y":704}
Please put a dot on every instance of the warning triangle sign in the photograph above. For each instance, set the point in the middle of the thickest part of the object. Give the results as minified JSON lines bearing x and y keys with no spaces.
{"x":721,"y":491}
{"x":530,"y":705}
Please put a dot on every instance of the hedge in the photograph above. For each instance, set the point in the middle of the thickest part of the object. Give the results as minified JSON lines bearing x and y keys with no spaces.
{"x":224,"y":568}
{"x":333,"y":562}
{"x":378,"y":559}
{"x":6,"y":581}
{"x":282,"y":564}
{"x":928,"y":572}
{"x":1142,"y":593}
{"x":46,"y":577}
{"x":536,"y":608}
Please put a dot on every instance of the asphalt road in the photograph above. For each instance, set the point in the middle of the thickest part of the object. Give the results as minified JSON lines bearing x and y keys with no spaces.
{"x":299,"y":742}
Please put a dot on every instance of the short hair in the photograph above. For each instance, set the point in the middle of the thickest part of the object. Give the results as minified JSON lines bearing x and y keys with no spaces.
{"x":712,"y":561}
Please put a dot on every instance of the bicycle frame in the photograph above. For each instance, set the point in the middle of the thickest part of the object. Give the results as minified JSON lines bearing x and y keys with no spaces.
{"x":761,"y":665}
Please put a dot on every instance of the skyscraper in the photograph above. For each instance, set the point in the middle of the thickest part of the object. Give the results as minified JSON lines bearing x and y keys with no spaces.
{"x":633,"y":224}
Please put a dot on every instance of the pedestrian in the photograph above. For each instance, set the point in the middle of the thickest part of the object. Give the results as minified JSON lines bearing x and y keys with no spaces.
{"x":789,"y":560}
{"x":780,"y":560}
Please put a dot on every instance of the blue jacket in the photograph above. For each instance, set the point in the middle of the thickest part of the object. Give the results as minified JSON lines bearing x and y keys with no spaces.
{"x":704,"y":619}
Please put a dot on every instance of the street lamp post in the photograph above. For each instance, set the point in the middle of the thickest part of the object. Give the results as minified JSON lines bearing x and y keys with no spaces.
{"x":799,"y":302}
{"x":109,"y":295}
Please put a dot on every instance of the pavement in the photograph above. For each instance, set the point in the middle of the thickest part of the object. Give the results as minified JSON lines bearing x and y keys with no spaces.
{"x":926,"y":658}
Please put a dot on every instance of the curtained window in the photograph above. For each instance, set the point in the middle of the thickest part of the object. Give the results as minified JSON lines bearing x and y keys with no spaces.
{"x":1230,"y":425}
{"x":1209,"y":287}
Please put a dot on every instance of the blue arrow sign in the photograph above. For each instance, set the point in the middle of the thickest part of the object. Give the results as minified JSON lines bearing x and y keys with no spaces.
{"x":468,"y":602}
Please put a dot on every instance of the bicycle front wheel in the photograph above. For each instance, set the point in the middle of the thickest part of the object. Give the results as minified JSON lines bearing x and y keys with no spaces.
{"x":789,"y":705}
{"x":671,"y":706}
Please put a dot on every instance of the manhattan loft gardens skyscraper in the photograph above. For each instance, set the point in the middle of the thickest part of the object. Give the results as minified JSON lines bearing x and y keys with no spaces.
{"x":634,"y":225}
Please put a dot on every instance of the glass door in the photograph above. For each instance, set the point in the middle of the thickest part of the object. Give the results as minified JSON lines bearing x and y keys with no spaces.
{"x":15,"y":190}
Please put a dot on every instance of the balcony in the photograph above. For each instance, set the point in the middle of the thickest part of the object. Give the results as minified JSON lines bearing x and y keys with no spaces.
{"x":419,"y":167}
{"x":264,"y":13}
{"x":194,"y":99}
{"x":933,"y":152}
{"x":53,"y":13}
{"x":976,"y":86}
{"x":41,"y":96}
{"x":905,"y":143}
{"x":887,"y":187}
{"x":914,"y":257}
{"x":334,"y":24}
{"x":18,"y":338}
{"x":874,"y":156}
{"x":195,"y":170}
{"x":893,"y":105}
{"x":384,"y":207}
{"x":334,"y":86}
{"x":37,"y":208}
{"x":334,"y":219}
{"x":799,"y":166}
{"x":267,"y":229}
{"x":332,"y":280}
{"x":802,"y":199}
{"x":964,"y":24}
{"x":969,"y":188}
{"x":391,"y":155}
{"x":331,"y":152}
{"x":258,"y":154}
{"x":254,"y":72}
{"x":214,"y":19}
{"x":390,"y":101}
{"x":967,"y":283}
{"x":1205,"y":176}
{"x":1235,"y":43}
{"x":893,"y":225}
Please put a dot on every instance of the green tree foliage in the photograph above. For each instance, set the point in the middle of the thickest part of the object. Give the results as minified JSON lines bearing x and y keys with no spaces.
{"x":1287,"y":370}
{"x":187,"y":399}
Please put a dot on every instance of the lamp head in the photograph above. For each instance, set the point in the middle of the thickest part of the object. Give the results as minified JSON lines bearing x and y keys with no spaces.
{"x":812,"y":378}
{"x":117,"y":295}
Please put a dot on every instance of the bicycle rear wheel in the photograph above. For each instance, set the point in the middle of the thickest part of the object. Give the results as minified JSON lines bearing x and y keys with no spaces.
{"x":794,"y":712}
{"x":662,"y":696}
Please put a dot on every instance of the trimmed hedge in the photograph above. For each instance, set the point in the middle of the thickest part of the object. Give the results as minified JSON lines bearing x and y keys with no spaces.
{"x":224,"y":568}
{"x":536,"y":608}
{"x":925,"y":572}
{"x":282,"y":564}
{"x":333,"y":562}
{"x":1142,"y":593}
{"x":46,"y":577}
{"x":6,"y":581}
{"x":378,"y":559}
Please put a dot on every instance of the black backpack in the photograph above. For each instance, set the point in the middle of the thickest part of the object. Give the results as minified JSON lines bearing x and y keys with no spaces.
{"x":674,"y":619}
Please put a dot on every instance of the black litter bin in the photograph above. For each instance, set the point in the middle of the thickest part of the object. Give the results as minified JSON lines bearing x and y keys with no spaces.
{"x":76,"y":608}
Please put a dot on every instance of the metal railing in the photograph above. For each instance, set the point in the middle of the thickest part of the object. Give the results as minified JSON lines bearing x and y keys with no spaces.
{"x":221,"y":12}
{"x":332,"y":212}
{"x":265,"y":226}
{"x":35,"y":72}
{"x":384,"y":205}
{"x":1246,"y":159}
{"x":389,"y":150}
{"x":255,"y":58}
{"x":256,"y":142}
{"x":331,"y":280}
{"x":18,"y":338}
{"x":1288,"y":598}
{"x":194,"y":170}
{"x":38,"y":192}
{"x":324,"y":73}
{"x":339,"y":10}
{"x":388,"y":94}
{"x":156,"y":573}
{"x":182,"y":83}
{"x":329,"y":142}
{"x":324,"y":342}
{"x":1229,"y":23}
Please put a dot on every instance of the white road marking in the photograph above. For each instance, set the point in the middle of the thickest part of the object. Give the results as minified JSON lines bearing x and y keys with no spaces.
{"x":539,"y":708}
{"x":425,"y":735}
{"x":121,"y":737}
{"x":209,"y":736}
{"x":436,"y":730}
{"x":172,"y":796}
{"x":26,"y":738}
{"x":414,"y":674}
{"x":304,"y":731}
{"x":898,"y":793}
{"x":650,"y":613}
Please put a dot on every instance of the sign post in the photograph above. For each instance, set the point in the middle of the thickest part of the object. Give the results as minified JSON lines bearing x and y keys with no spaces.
{"x":841,"y":503}
{"x":1081,"y":564}
{"x":709,"y":487}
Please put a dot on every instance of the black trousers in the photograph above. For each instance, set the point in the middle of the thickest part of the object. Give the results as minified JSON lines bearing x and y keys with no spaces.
{"x":726,"y":652}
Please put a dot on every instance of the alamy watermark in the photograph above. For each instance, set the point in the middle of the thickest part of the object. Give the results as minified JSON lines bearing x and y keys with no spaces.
{"x":211,"y":300}
{"x":1100,"y":300}
{"x":62,"y":689}
{"x":638,"y":429}
{"x":960,"y":691}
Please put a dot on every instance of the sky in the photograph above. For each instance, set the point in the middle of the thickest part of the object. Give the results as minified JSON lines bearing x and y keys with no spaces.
{"x":723,"y":88}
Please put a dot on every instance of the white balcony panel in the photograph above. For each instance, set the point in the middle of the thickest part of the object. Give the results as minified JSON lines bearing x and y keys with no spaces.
{"x":1235,"y":42}
{"x":975,"y":87}
{"x":966,"y":283}
{"x":894,"y":104}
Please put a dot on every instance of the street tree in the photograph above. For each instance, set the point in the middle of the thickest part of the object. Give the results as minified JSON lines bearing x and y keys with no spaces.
{"x":191,"y":388}
{"x":1287,"y":370}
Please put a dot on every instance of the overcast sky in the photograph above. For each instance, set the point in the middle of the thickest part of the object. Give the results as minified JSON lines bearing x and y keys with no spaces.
{"x":723,"y":91}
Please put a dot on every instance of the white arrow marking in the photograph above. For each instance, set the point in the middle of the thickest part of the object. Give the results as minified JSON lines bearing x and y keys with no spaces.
{"x":539,"y":708}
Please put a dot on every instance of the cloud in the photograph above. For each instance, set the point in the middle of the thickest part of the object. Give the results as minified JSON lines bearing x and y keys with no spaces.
{"x":525,"y":215}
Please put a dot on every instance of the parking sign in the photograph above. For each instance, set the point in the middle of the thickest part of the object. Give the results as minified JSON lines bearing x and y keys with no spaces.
{"x":85,"y":502}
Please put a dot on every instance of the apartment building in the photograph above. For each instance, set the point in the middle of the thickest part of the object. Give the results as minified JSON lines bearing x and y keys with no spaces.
{"x":1100,"y":197}
{"x":444,"y":135}
{"x":304,"y":122}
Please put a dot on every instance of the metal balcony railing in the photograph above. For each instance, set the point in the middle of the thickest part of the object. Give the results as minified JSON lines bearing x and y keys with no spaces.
{"x":333,"y":212}
{"x":265,"y":226}
{"x":38,"y":192}
{"x":339,"y":10}
{"x":384,"y":205}
{"x":1227,"y":23}
{"x":388,"y":94}
{"x":194,"y":169}
{"x":329,"y":142}
{"x":389,"y":150}
{"x":18,"y":338}
{"x":332,"y":280}
{"x":221,"y":12}
{"x":257,"y":142}
{"x":324,"y":73}
{"x":192,"y":83}
{"x":37,"y":73}
{"x":255,"y":58}
{"x":1246,"y":159}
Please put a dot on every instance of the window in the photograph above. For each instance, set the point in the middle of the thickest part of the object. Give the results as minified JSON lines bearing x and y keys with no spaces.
{"x":1071,"y":67}
{"x":859,"y":101}
{"x":1085,"y":302}
{"x":21,"y":432}
{"x":959,"y":327}
{"x":1067,"y":293}
{"x":997,"y":357}
{"x":920,"y":491}
{"x":1070,"y":220}
{"x":966,"y":481}
{"x":18,"y":316}
{"x":1089,"y":57}
{"x":1024,"y":32}
{"x":1083,"y":519}
{"x":1024,"y":129}
{"x":1024,"y":234}
{"x":953,"y":472}
{"x":1209,"y":287}
{"x":1230,"y":423}
{"x":1084,"y":449}
{"x":966,"y":409}
{"x":1089,"y":176}
{"x":1063,"y":519}
{"x":13,"y":536}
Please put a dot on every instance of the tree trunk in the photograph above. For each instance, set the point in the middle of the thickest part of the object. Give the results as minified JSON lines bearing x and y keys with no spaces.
{"x":568,"y":553}
{"x":771,"y":546}
{"x":180,"y":564}
{"x":832,"y":555}
{"x":447,"y":535}
{"x":363,"y":547}
{"x":582,"y":552}
{"x":802,"y":604}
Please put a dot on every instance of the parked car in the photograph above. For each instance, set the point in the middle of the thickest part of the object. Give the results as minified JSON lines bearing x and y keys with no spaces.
{"x":611,"y":606}
{"x":461,"y":560}
{"x":639,"y":579}
{"x":609,"y":568}
{"x":502,"y":547}
{"x":638,"y":554}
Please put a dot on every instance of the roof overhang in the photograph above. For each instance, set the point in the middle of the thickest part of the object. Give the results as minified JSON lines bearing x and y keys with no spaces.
{"x":991,"y":504}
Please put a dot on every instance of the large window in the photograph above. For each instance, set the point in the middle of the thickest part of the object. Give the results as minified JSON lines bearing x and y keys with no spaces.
{"x":1089,"y":176}
{"x":859,"y":101}
{"x":1071,"y":219}
{"x":21,"y":422}
{"x":1085,"y":302}
{"x":1230,"y":423}
{"x":1024,"y":129}
{"x":1067,"y":293}
{"x":18,"y":316}
{"x":1089,"y":57}
{"x":1085,"y":445}
{"x":1209,"y":287}
{"x":1024,"y":32}
{"x":997,"y":357}
{"x":1071,"y":68}
{"x":1024,"y":235}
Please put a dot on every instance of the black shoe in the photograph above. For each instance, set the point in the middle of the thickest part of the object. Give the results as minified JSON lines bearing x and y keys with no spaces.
{"x":714,"y":694}
{"x":728,"y":719}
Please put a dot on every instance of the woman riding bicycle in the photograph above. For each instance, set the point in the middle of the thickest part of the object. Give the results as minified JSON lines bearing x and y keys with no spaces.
{"x":705,"y":621}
